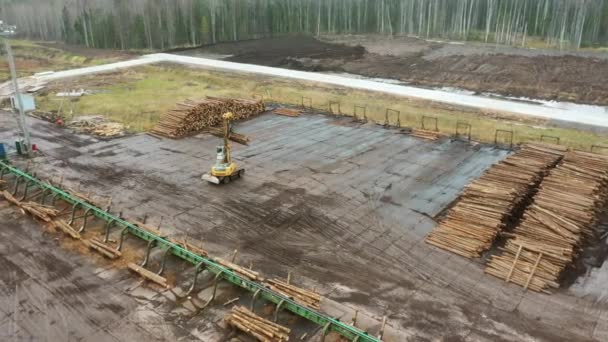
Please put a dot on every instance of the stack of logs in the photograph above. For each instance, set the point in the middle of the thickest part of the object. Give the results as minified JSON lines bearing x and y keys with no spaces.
{"x":43,"y":212}
{"x":557,"y":225}
{"x":194,"y":116}
{"x":256,"y":326}
{"x":489,"y":204}
{"x":308,"y":298}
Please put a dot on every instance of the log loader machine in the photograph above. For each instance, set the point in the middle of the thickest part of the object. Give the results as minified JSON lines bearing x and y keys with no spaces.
{"x":224,"y":170}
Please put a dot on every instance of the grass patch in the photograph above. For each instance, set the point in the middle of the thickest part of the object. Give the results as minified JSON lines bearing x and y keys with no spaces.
{"x":138,"y":96}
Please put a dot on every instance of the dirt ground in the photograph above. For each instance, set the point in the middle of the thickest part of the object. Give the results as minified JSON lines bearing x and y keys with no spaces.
{"x":482,"y":68}
{"x":32,"y":57}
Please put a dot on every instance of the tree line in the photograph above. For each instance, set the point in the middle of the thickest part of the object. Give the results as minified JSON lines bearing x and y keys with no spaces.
{"x":165,"y":24}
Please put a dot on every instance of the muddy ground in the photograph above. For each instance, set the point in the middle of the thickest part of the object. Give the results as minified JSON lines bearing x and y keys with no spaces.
{"x":344,"y":206}
{"x":483,"y":68}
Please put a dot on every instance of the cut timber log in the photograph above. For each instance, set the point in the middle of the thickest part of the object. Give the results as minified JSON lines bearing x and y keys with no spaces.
{"x":148,"y":228}
{"x":7,"y":195}
{"x":162,"y":281}
{"x":256,"y":326}
{"x":426,"y":134}
{"x":302,"y":296}
{"x":189,"y":246}
{"x":557,"y":225}
{"x":287,"y":112}
{"x":83,"y":197}
{"x":252,"y":275}
{"x":103,"y":249}
{"x":45,"y":213}
{"x":195,"y":116}
{"x":66,"y":228}
{"x":488,"y":204}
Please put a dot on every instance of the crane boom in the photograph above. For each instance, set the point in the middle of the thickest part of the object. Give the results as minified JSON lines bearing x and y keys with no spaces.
{"x":224,"y":170}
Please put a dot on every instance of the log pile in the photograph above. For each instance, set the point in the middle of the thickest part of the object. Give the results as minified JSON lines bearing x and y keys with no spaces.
{"x":557,"y":224}
{"x":489,"y":204}
{"x":308,"y":298}
{"x":194,"y":116}
{"x":256,"y":326}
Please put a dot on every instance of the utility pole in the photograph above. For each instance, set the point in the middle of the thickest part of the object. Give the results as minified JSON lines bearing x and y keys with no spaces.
{"x":26,"y":146}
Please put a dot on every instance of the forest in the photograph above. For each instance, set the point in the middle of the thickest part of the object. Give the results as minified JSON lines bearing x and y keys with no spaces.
{"x":166,"y":24}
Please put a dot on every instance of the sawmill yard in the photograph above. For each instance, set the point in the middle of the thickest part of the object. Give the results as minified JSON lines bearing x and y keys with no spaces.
{"x":137,"y":97}
{"x":367,"y":205}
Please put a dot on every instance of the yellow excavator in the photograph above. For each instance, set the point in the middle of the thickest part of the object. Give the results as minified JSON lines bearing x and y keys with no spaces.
{"x":224,"y":170}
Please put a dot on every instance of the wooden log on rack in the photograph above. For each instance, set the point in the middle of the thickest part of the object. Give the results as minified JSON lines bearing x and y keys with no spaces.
{"x":42,"y":212}
{"x":45,"y":213}
{"x":148,"y":228}
{"x":256,"y":326}
{"x":252,"y":275}
{"x":103,"y":249}
{"x":162,"y":281}
{"x":66,"y":228}
{"x":190,"y":246}
{"x":194,"y":116}
{"x":302,"y":296}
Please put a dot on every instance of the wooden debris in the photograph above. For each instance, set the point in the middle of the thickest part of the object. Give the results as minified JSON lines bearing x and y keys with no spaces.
{"x":110,"y":129}
{"x":426,"y":134}
{"x":308,"y":298}
{"x":245,"y":272}
{"x":256,"y":326}
{"x":103,"y":249}
{"x":287,"y":112}
{"x":162,"y":281}
{"x":66,"y":228}
{"x":231,"y":301}
{"x":193,"y":116}
{"x":487,"y":205}
{"x":557,"y":224}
